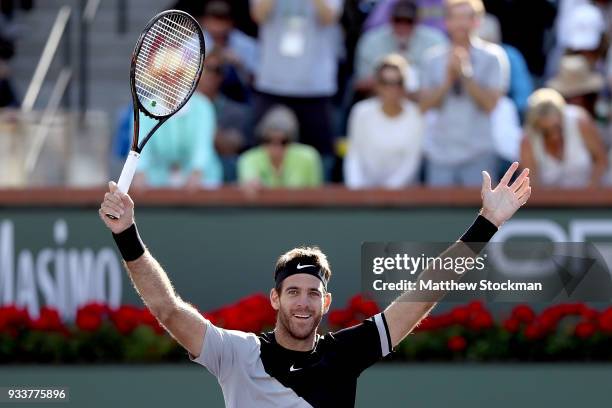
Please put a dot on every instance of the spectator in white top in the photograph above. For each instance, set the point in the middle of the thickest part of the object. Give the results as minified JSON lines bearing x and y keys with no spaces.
{"x":562,"y":146}
{"x":385,"y":133}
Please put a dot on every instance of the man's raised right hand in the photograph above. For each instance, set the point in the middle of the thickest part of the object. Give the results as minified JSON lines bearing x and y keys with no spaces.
{"x":120,"y":206}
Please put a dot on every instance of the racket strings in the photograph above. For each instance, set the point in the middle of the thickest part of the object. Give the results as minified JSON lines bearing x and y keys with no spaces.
{"x":168,"y":64}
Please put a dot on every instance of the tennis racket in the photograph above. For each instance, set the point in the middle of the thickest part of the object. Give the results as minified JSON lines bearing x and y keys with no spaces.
{"x":166,"y":67}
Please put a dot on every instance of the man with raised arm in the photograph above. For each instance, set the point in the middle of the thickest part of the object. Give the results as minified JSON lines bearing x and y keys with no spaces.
{"x":294,"y":366}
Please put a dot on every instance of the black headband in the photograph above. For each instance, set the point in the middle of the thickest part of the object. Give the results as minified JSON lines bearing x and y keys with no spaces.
{"x":302,"y":266}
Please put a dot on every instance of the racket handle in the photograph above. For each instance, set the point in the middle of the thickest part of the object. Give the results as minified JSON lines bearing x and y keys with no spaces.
{"x":127,"y":174}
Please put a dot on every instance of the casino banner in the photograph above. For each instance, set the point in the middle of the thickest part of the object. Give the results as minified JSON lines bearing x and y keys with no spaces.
{"x":65,"y":258}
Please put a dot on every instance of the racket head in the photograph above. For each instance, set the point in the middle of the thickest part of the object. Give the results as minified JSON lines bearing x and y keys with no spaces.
{"x":167,"y":64}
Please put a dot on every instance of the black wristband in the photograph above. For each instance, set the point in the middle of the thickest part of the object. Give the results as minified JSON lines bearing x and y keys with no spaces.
{"x":479,"y":234}
{"x":129,"y":243}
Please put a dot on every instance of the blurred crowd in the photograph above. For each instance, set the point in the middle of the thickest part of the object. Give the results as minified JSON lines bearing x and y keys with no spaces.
{"x":9,"y":32}
{"x":390,"y":93}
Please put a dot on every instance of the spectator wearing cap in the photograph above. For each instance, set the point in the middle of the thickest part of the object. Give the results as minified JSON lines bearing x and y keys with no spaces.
{"x":280,"y":161}
{"x":385,"y":133}
{"x":581,"y":30}
{"x":431,"y":14}
{"x":521,"y":84}
{"x":561,"y":147}
{"x":578,"y":83}
{"x":402,"y":35}
{"x":461,"y":85}
{"x":240,"y":52}
{"x":300,"y":47}
{"x":232,"y":117}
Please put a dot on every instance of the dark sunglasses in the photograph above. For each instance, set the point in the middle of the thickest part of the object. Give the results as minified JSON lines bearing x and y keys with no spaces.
{"x":278,"y":142}
{"x":216,"y":69}
{"x":403,"y":20}
{"x":386,"y":82}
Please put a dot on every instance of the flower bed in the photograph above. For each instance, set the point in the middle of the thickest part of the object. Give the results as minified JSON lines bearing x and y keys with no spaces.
{"x":568,"y":332}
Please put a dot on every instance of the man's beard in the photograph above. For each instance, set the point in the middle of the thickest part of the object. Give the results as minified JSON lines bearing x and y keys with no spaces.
{"x":295,"y":330}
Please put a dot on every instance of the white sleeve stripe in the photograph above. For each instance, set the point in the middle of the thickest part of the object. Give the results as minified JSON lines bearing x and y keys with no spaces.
{"x":382,"y":333}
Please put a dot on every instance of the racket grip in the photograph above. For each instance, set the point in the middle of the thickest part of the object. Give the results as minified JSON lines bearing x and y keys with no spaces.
{"x":127,"y":174}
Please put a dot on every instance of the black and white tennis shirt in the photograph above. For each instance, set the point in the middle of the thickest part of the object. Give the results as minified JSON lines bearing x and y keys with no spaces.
{"x":256,"y":372}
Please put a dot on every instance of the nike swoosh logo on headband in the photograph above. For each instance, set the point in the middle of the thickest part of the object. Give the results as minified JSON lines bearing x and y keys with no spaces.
{"x":304,"y":266}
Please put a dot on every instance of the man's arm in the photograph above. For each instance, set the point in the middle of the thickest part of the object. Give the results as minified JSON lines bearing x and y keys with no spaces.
{"x":179,"y":318}
{"x":405,"y":313}
{"x":433,"y":98}
{"x":486,"y":99}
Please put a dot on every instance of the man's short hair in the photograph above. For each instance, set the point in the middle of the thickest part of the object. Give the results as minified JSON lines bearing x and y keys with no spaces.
{"x":405,"y":9}
{"x":219,"y":9}
{"x":305,"y":254}
{"x":476,"y":5}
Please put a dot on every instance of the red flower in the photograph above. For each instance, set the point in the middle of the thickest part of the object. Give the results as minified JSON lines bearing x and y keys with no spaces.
{"x":360,"y":305}
{"x":230,"y":317}
{"x":147,"y":318}
{"x":512,"y":325}
{"x":339,"y":318}
{"x":90,"y":316}
{"x":460,"y":315}
{"x":589,"y":314}
{"x":444,"y":320}
{"x":547,"y":321}
{"x":126,"y":318}
{"x":584,"y":330}
{"x":481,"y":320}
{"x":534,"y":331}
{"x":605,"y":321}
{"x":88,"y":321}
{"x":428,"y":323}
{"x":475,"y":306}
{"x":211,"y":317}
{"x":456,"y":343}
{"x":523,"y":313}
{"x":48,"y":320}
{"x":13,"y":319}
{"x":95,"y":308}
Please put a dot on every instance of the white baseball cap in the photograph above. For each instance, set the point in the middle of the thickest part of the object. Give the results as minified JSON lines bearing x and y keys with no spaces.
{"x":585,"y":28}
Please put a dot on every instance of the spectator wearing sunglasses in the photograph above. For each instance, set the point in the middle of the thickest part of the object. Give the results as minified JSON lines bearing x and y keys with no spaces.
{"x":279,"y":161}
{"x":385,"y":133}
{"x":402,"y":35}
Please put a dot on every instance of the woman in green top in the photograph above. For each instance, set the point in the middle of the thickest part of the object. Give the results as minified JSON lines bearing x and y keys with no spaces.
{"x":279,"y":162}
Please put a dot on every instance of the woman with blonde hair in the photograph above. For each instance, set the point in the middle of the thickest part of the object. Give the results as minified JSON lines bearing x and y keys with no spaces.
{"x":562,"y":146}
{"x":385,"y":133}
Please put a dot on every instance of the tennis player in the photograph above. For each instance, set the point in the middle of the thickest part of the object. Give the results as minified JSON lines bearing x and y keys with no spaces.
{"x":294,"y":366}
